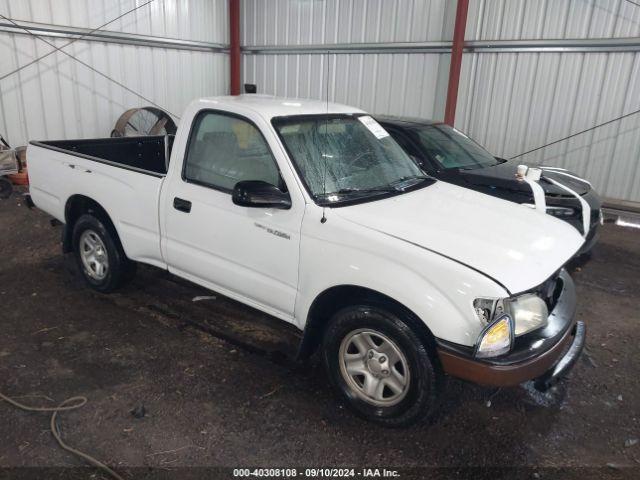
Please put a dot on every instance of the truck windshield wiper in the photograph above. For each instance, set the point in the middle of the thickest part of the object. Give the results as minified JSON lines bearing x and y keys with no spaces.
{"x":409,"y":181}
{"x":366,"y":190}
{"x":332,"y":197}
{"x":397,"y":186}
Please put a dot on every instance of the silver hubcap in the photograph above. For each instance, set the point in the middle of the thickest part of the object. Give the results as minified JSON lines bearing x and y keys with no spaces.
{"x":374,"y":367}
{"x":93,"y":254}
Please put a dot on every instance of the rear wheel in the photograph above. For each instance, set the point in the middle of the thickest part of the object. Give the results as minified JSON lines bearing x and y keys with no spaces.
{"x":380,"y":366}
{"x":99,"y":254}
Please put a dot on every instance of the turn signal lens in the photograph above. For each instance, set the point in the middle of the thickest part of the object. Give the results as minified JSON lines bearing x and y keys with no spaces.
{"x":496,"y":339}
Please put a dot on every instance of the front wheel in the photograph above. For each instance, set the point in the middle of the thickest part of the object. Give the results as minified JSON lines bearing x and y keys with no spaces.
{"x":99,"y":255}
{"x":380,"y":366}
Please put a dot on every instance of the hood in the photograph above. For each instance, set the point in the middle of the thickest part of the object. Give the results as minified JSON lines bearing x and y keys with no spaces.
{"x":504,"y":176}
{"x":515,"y":245}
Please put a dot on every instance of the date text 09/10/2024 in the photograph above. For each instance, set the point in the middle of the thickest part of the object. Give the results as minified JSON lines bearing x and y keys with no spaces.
{"x":316,"y":472}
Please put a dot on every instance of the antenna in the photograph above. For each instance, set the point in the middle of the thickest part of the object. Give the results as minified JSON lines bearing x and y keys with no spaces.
{"x":326,"y":131}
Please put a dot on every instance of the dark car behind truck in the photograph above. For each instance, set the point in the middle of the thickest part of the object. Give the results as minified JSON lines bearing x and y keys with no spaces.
{"x":450,"y":156}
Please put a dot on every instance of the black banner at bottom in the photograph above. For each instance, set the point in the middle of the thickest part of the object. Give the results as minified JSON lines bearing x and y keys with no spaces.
{"x":613,"y":472}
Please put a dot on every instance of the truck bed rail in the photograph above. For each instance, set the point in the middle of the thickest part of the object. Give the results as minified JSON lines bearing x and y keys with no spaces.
{"x":147,"y":155}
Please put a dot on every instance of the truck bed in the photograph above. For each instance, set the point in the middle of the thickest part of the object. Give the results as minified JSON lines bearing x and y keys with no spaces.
{"x":143,"y":154}
{"x":122,"y":175}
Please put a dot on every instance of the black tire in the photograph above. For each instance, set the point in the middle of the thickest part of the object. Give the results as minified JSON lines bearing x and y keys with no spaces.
{"x":120,"y":268}
{"x":425,"y":377}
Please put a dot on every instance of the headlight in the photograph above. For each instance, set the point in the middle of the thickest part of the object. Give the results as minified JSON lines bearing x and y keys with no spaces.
{"x":507,"y":318}
{"x":556,"y":211}
{"x":561,"y":211}
{"x":496,"y":338}
{"x":529,"y":312}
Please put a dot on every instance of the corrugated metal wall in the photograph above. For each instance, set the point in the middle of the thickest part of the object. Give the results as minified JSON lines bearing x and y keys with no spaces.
{"x":299,"y":22}
{"x":515,"y":102}
{"x":398,"y":83}
{"x":410,"y":84}
{"x":60,"y":98}
{"x":551,"y":19}
{"x":511,"y":102}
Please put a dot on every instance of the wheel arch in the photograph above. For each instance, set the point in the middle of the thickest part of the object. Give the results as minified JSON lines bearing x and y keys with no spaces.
{"x":75,"y":207}
{"x":333,"y":299}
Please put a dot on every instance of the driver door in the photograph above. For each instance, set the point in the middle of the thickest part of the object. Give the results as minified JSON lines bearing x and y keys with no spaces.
{"x":250,"y":254}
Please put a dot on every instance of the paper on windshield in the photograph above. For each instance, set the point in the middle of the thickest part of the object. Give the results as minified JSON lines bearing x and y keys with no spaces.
{"x":373,"y":126}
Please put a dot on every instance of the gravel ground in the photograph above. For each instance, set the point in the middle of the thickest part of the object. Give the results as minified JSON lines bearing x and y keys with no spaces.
{"x":219,"y":390}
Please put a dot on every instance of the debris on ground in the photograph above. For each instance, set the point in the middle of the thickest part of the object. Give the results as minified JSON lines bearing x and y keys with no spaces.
{"x":630,"y":442}
{"x":139,"y":411}
{"x":587,"y":356}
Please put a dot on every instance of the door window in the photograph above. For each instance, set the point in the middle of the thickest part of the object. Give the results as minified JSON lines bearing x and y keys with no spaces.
{"x":224,"y":150}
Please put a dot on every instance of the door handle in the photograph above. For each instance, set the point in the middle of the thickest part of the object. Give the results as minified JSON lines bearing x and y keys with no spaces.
{"x":182,"y":205}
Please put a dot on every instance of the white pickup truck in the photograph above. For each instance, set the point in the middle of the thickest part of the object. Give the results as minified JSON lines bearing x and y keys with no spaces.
{"x":312,"y":213}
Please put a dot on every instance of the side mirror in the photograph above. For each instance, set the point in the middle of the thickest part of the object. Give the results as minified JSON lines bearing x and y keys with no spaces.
{"x":259,"y":194}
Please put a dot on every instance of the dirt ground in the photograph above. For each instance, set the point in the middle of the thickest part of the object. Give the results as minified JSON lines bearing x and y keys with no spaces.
{"x":219,"y":390}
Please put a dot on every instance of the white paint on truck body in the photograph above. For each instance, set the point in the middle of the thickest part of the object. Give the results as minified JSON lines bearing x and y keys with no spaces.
{"x":434,"y":250}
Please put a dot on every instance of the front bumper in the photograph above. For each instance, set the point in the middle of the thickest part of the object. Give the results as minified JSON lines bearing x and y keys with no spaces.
{"x":543,"y":355}
{"x":566,"y":363}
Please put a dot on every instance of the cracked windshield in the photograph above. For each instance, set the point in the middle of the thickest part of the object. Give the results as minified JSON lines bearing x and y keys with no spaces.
{"x":345,"y":158}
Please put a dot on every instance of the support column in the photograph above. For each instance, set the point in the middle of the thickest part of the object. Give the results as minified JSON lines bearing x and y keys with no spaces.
{"x":456,"y":61}
{"x":234,"y":47}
